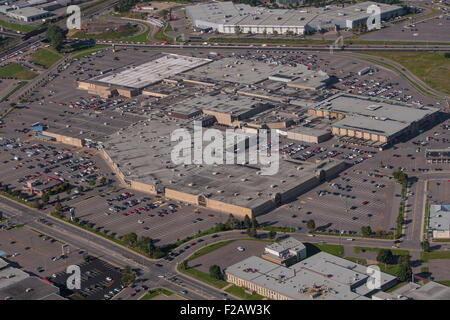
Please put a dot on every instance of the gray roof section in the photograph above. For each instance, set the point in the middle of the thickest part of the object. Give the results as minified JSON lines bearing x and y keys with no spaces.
{"x":286,"y":244}
{"x":439,"y":217}
{"x":21,"y":290}
{"x":429,"y":291}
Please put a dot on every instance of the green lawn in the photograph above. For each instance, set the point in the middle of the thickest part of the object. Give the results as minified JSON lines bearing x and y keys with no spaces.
{"x":398,"y":285}
{"x":205,"y":278}
{"x":110,"y":35}
{"x":139,"y":38}
{"x":150,"y":295}
{"x":425,"y":256}
{"x":396,"y":252}
{"x":279,"y":229}
{"x":240,"y":292}
{"x":17,"y":27}
{"x":16,"y":71}
{"x":444,"y":282}
{"x":45,"y":57}
{"x":333,"y":249}
{"x":432,"y":68}
{"x":208,"y":249}
{"x":20,"y":85}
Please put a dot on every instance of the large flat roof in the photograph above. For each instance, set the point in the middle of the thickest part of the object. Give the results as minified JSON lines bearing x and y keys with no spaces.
{"x":229,"y":14}
{"x":143,"y":153}
{"x":151,"y":72}
{"x":329,"y":276}
{"x":250,"y":72}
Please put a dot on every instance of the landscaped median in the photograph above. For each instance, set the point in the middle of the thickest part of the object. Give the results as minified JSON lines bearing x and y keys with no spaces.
{"x":240,"y":292}
{"x":156,"y":292}
{"x":426,"y":256}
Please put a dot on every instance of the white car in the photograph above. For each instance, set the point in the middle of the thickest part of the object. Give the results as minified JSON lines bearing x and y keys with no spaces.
{"x":240,"y":249}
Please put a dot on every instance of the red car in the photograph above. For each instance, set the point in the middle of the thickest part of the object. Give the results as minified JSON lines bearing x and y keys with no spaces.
{"x":210,"y":215}
{"x":193,"y":243}
{"x":365,"y":202}
{"x":150,"y":215}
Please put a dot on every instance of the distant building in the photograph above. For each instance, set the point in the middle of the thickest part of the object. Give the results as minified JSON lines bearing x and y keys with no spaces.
{"x":28,"y":14}
{"x":40,"y":185}
{"x":439,"y":221}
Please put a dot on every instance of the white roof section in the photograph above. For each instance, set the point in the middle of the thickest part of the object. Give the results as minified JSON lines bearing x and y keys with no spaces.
{"x":153,"y":71}
{"x":286,"y":244}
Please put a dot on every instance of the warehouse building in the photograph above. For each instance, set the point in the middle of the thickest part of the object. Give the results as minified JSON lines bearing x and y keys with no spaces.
{"x":226,"y":17}
{"x":28,"y":14}
{"x":378,"y":123}
{"x":319,"y":277}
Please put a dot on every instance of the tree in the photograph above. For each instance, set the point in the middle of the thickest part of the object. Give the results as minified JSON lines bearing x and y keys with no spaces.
{"x":36,"y":204}
{"x":404,"y":272}
{"x":425,"y":246}
{"x":130,"y":238}
{"x":184,"y":265}
{"x":92,"y":182}
{"x":366,"y":231}
{"x":128,"y":275}
{"x":215,"y":272}
{"x":255,"y":223}
{"x":251,"y":232}
{"x":55,"y":35}
{"x":80,"y":188}
{"x":311,"y":225}
{"x":247,"y":222}
{"x":58,"y":206}
{"x":102,"y":181}
{"x":385,"y":256}
{"x":272,"y":234}
{"x":45,"y":197}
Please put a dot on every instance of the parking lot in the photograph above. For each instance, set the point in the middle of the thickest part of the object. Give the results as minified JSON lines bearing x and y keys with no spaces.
{"x":49,"y":165}
{"x":99,"y":281}
{"x":228,"y":255}
{"x":435,"y":30}
{"x":163,"y":220}
{"x":36,"y":253}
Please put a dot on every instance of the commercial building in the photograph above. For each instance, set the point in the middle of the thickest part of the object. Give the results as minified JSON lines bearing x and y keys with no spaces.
{"x":365,"y":119}
{"x":286,"y":252}
{"x":40,"y":185}
{"x":439,"y":221}
{"x":140,"y":155}
{"x":226,"y":17}
{"x":28,"y":14}
{"x":319,"y":277}
{"x":130,"y":80}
